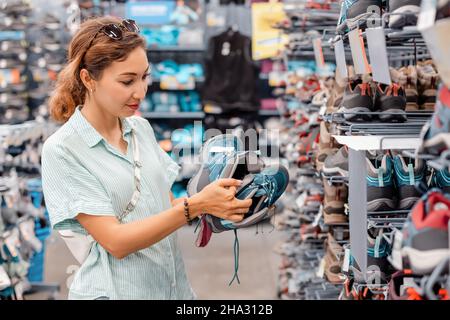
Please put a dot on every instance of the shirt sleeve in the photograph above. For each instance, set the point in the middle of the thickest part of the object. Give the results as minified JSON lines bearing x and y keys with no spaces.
{"x":171,"y":168}
{"x":69,"y":189}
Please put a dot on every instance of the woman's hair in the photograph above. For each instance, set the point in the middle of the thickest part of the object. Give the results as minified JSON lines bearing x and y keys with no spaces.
{"x":70,"y":90}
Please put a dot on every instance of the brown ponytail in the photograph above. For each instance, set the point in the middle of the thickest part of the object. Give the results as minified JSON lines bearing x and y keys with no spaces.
{"x":69,"y":89}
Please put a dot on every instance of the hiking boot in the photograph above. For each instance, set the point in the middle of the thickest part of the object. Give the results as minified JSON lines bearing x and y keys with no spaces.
{"x":401,"y":284}
{"x":381,"y":194}
{"x":436,"y":132}
{"x":334,"y":203}
{"x":407,"y":174}
{"x":427,"y":84}
{"x":425,"y":234}
{"x":441,"y":179}
{"x":337,"y":164}
{"x":358,"y":98}
{"x":408,"y":11}
{"x":407,"y":78}
{"x":391,"y":102}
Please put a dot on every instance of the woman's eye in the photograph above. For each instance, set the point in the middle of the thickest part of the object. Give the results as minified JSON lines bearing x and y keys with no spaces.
{"x":146,"y":76}
{"x":127,"y":83}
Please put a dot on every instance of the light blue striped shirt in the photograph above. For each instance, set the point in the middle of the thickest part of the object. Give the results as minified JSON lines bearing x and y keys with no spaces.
{"x":83,"y":173}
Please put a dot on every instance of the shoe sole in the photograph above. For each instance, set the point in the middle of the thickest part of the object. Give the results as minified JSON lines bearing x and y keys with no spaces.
{"x":351,"y":114}
{"x":423,"y":262}
{"x":395,"y":115}
{"x":334,"y":171}
{"x":408,"y":203}
{"x":399,"y":21}
{"x":331,"y":219}
{"x":382,"y":204}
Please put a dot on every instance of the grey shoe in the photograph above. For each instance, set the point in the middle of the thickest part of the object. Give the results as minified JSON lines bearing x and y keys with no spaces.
{"x":337,"y":164}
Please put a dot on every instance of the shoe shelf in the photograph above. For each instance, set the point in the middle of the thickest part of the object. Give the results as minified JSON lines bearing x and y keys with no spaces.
{"x":379,"y":142}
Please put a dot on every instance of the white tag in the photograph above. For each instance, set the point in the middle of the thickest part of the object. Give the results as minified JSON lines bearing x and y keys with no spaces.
{"x":318,"y":216}
{"x":216,"y":149}
{"x":292,"y":286}
{"x":378,"y":55}
{"x":321,"y":270}
{"x":346,"y":262}
{"x":358,"y":52}
{"x":323,"y":110}
{"x":5,"y":281}
{"x":427,"y":14}
{"x":341,"y":63}
{"x":318,"y":52}
{"x":396,"y":255}
{"x":300,"y":201}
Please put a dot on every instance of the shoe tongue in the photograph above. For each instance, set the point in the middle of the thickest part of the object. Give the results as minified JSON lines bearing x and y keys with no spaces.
{"x":248,"y":179}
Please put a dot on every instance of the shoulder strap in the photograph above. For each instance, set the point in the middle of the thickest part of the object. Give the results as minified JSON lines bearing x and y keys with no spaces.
{"x":137,"y":178}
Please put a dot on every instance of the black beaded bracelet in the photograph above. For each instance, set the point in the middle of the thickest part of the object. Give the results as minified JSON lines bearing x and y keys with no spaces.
{"x":186,"y":211}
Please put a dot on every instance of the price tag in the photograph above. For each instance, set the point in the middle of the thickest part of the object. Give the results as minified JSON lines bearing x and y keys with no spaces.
{"x":396,"y":255}
{"x":318,"y":53}
{"x":427,"y":14}
{"x":358,"y":52}
{"x":341,"y":63}
{"x":346,"y":262}
{"x":321,"y":270}
{"x":378,"y":55}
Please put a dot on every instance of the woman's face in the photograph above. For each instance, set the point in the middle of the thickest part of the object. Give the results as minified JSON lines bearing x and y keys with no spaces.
{"x":123,"y":85}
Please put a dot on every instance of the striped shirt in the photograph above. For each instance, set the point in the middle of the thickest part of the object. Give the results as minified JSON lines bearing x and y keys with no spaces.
{"x":83,"y":173}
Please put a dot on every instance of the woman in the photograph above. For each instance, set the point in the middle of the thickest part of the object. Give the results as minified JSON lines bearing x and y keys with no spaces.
{"x":89,"y":172}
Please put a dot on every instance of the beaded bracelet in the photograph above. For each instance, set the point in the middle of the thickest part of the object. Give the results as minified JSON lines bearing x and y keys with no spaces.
{"x":186,"y":211}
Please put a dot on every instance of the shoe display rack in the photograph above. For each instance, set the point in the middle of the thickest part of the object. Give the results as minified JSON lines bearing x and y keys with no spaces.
{"x":370,"y":140}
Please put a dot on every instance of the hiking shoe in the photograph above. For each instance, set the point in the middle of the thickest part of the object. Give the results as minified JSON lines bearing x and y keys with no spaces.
{"x":425,"y":234}
{"x":407,"y":78}
{"x":428,"y":79}
{"x":406,"y":176}
{"x":337,"y":164}
{"x":336,"y":196}
{"x":391,"y":102}
{"x":401,"y":284}
{"x":377,"y":252}
{"x":264,"y":189}
{"x":357,"y":98}
{"x":407,"y":13}
{"x":436,"y":132}
{"x":380,"y":184}
{"x":322,"y":154}
{"x":441,"y":179}
{"x":354,"y":10}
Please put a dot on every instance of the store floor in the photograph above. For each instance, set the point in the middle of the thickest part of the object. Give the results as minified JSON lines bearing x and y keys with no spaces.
{"x":209,"y":269}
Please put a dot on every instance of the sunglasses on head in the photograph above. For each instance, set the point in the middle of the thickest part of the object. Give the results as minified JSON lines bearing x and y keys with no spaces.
{"x":115,"y":31}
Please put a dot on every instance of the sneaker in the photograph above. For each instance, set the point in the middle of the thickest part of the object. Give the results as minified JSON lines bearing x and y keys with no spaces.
{"x":406,"y":176}
{"x":407,"y":13}
{"x":427,"y":83}
{"x":354,"y":10}
{"x":391,"y":102}
{"x":357,"y":98}
{"x":334,"y":203}
{"x":381,"y":194}
{"x":378,"y":251}
{"x":436,"y":133}
{"x":425,"y":234}
{"x":402,"y":285}
{"x":441,"y":179}
{"x":407,"y":78}
{"x":264,"y":189}
{"x":337,"y":164}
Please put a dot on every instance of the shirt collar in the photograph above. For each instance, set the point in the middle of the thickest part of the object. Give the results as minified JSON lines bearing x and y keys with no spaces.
{"x":87,"y":132}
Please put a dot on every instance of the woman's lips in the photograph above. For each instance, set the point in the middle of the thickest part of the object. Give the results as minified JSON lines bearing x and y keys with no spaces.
{"x":133,"y":106}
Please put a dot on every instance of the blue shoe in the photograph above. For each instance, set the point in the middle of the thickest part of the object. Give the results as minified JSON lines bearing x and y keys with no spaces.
{"x":407,"y":176}
{"x":436,"y":133}
{"x":381,"y":195}
{"x":264,"y":189}
{"x":441,"y":179}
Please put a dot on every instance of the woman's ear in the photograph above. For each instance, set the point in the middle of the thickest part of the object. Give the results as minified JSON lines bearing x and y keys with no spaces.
{"x":87,"y":80}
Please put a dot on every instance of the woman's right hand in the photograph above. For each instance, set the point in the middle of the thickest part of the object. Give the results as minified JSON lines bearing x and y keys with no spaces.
{"x":218,"y":199}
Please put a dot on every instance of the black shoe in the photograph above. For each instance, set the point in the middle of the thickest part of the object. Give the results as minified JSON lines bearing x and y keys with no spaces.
{"x":405,"y":13}
{"x":357,"y":99}
{"x":391,"y":102}
{"x":406,"y":177}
